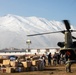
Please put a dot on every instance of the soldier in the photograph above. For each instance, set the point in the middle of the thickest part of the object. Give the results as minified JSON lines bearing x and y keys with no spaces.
{"x":68,"y":65}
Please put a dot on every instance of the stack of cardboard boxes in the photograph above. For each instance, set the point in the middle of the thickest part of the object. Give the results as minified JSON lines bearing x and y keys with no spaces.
{"x":8,"y":66}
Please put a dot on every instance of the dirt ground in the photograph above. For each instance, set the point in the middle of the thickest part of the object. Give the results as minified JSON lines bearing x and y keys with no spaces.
{"x":49,"y":70}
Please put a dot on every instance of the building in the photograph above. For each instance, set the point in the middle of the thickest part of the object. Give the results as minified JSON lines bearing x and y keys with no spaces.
{"x":27,"y":51}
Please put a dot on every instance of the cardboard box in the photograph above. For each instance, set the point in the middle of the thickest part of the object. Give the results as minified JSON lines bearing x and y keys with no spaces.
{"x":14,"y":63}
{"x":35,"y":62}
{"x":1,"y":64}
{"x":0,"y":57}
{"x":6,"y":62}
{"x":9,"y":70}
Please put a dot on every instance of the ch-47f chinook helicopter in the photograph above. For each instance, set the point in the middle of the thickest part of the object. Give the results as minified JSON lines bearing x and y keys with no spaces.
{"x":68,"y":44}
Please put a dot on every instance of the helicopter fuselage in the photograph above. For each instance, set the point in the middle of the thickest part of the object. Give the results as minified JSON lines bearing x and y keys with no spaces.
{"x":68,"y":46}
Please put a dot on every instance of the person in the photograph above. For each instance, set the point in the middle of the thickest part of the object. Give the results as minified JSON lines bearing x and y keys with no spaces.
{"x":68,"y":65}
{"x":35,"y":54}
{"x":54,"y":58}
{"x":49,"y":59}
{"x":58,"y":58}
{"x":67,"y":55}
{"x":44,"y":57}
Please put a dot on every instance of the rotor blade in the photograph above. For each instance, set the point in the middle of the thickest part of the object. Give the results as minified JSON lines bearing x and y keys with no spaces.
{"x":73,"y":30}
{"x":73,"y":37}
{"x":44,"y":33}
{"x":63,"y":31}
{"x":67,"y":25}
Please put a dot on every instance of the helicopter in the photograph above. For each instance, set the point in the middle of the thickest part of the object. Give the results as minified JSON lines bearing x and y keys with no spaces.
{"x":68,"y":45}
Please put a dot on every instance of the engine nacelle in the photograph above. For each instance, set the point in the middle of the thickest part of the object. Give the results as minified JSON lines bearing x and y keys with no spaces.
{"x":60,"y":44}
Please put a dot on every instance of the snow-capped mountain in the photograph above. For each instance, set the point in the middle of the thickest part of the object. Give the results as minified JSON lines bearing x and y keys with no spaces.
{"x":14,"y":30}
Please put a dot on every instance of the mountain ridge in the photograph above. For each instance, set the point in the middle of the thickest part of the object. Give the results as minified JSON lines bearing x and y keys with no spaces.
{"x":14,"y":30}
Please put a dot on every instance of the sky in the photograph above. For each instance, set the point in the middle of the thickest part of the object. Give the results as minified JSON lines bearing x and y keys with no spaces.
{"x":50,"y":9}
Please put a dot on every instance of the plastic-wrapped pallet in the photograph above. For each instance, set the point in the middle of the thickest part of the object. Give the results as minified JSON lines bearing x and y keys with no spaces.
{"x":19,"y":69}
{"x":41,"y":65}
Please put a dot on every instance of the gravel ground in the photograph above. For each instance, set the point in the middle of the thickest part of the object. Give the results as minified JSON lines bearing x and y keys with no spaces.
{"x":49,"y":70}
